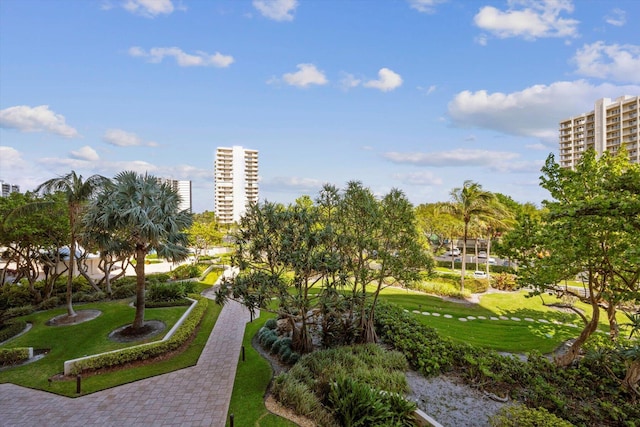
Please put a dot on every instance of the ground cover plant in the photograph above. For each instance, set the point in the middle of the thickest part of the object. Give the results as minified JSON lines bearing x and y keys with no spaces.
{"x":93,"y":334}
{"x":357,"y":385}
{"x":584,"y":394}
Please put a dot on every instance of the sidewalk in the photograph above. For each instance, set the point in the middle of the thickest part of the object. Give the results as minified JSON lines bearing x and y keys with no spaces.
{"x":196,"y":396}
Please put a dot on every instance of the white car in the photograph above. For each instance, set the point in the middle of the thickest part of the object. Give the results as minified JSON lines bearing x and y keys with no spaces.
{"x":482,"y":254}
{"x":479,"y":274}
{"x":453,"y":252}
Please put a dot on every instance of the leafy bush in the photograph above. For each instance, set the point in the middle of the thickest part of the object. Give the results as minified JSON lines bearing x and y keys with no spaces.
{"x":476,"y":286}
{"x":521,"y":416}
{"x":442,"y":289}
{"x":11,"y":329}
{"x":123,"y":291}
{"x":187,"y":271}
{"x":311,"y":378}
{"x":49,"y":303}
{"x":13,"y":355}
{"x":271,"y":323}
{"x":16,"y":312}
{"x":505,"y":281}
{"x":166,"y":291}
{"x":89,"y":296}
{"x":157,"y":278}
{"x":356,"y":404}
{"x":13,"y":295}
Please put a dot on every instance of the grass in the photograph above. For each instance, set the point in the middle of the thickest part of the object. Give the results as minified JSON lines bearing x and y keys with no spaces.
{"x":252,"y":379}
{"x":502,"y":335}
{"x":63,"y":342}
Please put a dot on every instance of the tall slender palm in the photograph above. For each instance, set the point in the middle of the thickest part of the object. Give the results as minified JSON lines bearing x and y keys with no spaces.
{"x":467,"y":202}
{"x":142,"y":215}
{"x":77,"y":193}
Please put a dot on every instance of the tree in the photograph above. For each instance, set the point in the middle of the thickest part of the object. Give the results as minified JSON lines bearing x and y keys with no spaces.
{"x":142,"y":215}
{"x":204,"y":232}
{"x":77,"y":192}
{"x":590,"y":227}
{"x":33,"y":238}
{"x":469,"y":201}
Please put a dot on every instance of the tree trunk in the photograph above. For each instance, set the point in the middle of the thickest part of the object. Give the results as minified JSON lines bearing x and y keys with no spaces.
{"x":614,"y":330}
{"x":571,"y":354}
{"x":632,"y":376}
{"x":464,"y":256}
{"x":72,"y":260}
{"x":138,"y":321}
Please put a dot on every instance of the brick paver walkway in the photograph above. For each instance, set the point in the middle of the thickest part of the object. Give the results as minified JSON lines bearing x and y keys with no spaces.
{"x":196,"y":396}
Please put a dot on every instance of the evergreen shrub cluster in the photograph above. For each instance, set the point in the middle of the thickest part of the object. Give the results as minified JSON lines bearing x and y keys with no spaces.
{"x":280,"y":346}
{"x":13,"y":355}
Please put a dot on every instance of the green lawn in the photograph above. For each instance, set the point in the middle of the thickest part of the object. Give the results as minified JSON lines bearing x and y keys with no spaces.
{"x":252,"y":378}
{"x":501,"y":335}
{"x":69,"y":342}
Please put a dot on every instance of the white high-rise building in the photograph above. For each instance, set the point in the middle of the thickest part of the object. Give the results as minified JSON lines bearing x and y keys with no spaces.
{"x":6,"y":188}
{"x":183,"y":188}
{"x":235,"y":181}
{"x":610,"y":125}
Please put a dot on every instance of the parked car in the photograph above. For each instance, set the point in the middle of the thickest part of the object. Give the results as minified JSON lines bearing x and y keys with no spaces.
{"x":482,"y":254}
{"x":479,"y":274}
{"x":492,"y":261}
{"x":453,"y":252}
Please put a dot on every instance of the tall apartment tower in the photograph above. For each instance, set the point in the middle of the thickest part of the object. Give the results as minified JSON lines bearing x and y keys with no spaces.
{"x":183,"y":188}
{"x":6,"y":188}
{"x":235,"y":181}
{"x":610,"y":125}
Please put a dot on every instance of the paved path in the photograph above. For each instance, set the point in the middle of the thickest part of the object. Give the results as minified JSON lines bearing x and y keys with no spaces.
{"x":196,"y":396}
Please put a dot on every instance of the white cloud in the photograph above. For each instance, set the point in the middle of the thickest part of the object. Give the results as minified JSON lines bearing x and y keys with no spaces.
{"x":278,"y":10}
{"x":425,"y":6}
{"x":427,"y":90}
{"x":36,"y":119}
{"x":419,"y":178}
{"x":85,"y":153}
{"x":121,"y":138}
{"x":183,"y":59}
{"x":457,"y":157}
{"x":387,"y":80}
{"x":10,"y":159}
{"x":306,"y":75}
{"x":617,"y":62}
{"x":534,"y":111}
{"x":538,"y":146}
{"x":292,"y":184}
{"x":617,"y":17}
{"x":349,"y":81}
{"x":149,"y":8}
{"x":530,"y":19}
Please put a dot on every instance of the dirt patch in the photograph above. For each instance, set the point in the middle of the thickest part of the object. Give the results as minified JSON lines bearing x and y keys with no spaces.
{"x":150,"y":329}
{"x":80,"y":317}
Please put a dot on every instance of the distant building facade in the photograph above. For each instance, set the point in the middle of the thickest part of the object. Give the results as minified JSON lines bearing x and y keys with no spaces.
{"x":183,"y":188}
{"x":235,"y":182}
{"x":9,"y":188}
{"x":610,"y":125}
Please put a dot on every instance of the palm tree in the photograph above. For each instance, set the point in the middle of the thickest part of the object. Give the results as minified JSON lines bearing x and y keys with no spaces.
{"x":142,"y":215}
{"x":469,"y":201}
{"x":77,"y":193}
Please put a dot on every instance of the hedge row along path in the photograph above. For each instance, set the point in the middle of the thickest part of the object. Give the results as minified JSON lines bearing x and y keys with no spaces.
{"x":195,"y":396}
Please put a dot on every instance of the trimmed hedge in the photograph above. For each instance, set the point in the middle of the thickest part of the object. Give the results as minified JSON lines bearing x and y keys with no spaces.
{"x":521,"y":416}
{"x":9,"y":356}
{"x":144,"y":352}
{"x":12,"y":329}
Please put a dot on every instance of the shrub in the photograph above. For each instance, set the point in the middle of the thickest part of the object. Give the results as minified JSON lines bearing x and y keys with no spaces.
{"x":505,"y":282}
{"x":275,"y":347}
{"x":11,"y":329}
{"x":17,"y":312}
{"x":166,"y":291}
{"x":442,"y":289}
{"x":187,"y":271}
{"x":124,"y":291}
{"x":89,"y":296}
{"x":13,"y":355}
{"x":49,"y":303}
{"x":355,"y":404}
{"x":521,"y":416}
{"x":293,"y":358}
{"x":476,"y":286}
{"x":271,"y":323}
{"x":14,"y":296}
{"x":268,"y":341}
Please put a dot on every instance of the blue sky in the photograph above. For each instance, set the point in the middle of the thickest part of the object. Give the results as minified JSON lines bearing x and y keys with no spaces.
{"x":419,"y":95}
